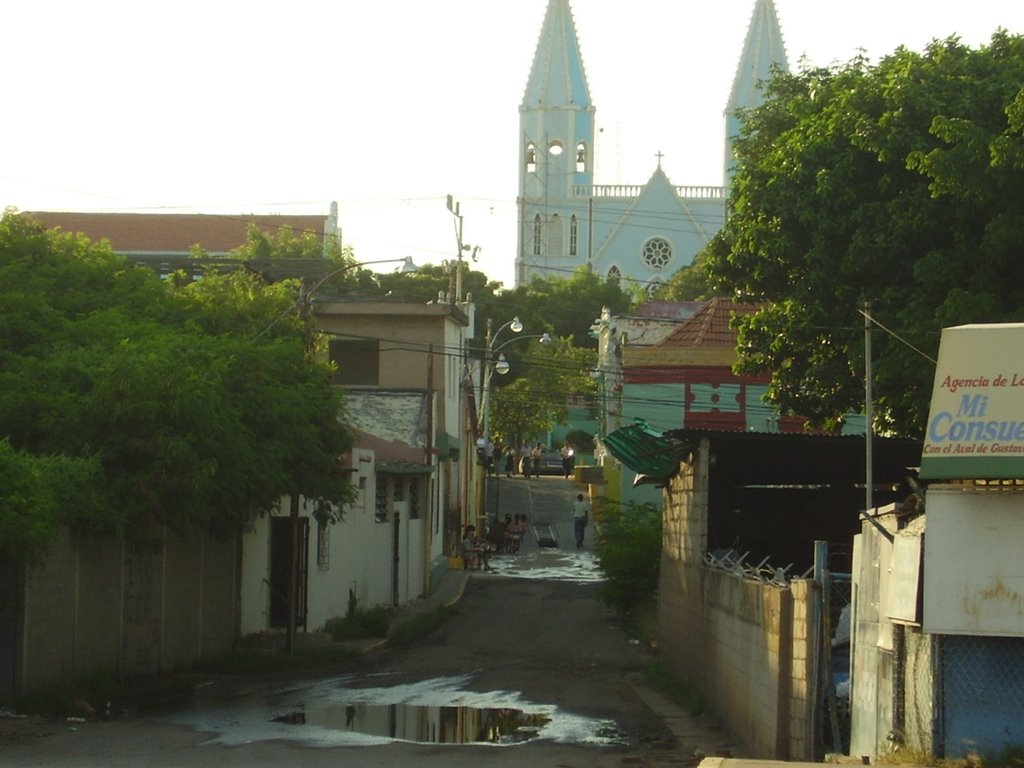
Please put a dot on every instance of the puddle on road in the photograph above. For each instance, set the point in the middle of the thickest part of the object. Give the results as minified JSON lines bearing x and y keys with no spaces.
{"x":577,"y":566}
{"x":331,"y":713}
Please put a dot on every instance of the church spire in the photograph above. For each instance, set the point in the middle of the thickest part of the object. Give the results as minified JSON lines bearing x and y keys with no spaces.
{"x":763,"y":51}
{"x":556,"y":152}
{"x":557,"y":77}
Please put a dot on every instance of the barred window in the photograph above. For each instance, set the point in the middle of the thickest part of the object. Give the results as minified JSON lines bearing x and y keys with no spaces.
{"x":573,"y":235}
{"x":414,"y":497}
{"x":381,"y":510}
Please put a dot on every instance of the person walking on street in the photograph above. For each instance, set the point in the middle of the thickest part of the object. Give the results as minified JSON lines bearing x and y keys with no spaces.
{"x":580,"y":517}
{"x":568,"y":460}
{"x":535,"y":457}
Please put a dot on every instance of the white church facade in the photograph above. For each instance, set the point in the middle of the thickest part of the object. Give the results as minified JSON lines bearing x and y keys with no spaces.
{"x":641,"y":232}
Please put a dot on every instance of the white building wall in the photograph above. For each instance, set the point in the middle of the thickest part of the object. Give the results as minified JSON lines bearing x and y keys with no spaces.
{"x":359,"y":556}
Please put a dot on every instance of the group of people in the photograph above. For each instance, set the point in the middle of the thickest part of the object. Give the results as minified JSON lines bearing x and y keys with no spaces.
{"x":508,"y":536}
{"x":505,"y":537}
{"x":526,"y":461}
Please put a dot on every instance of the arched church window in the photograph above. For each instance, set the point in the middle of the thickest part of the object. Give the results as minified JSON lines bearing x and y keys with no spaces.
{"x":615,"y":274}
{"x":581,"y":158}
{"x":573,"y":235}
{"x":657,"y":254}
{"x":555,"y":148}
{"x":536,"y":235}
{"x":555,"y":236}
{"x":653,"y":287}
{"x":531,"y":158}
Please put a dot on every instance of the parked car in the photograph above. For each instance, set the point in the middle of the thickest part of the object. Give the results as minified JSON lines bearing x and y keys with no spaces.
{"x":551,"y":463}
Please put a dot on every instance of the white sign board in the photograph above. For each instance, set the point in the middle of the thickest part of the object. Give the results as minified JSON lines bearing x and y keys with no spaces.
{"x":976,"y":422}
{"x":973,"y":568}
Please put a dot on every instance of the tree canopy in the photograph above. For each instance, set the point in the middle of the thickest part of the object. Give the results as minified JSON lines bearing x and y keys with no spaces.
{"x":161,"y":405}
{"x":899,"y":185}
{"x":542,"y":381}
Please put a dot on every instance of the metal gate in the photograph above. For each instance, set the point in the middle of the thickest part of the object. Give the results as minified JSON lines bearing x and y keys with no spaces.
{"x":837,"y":595}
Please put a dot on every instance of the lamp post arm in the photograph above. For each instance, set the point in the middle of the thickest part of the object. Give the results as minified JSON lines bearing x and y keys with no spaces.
{"x":407,"y":260}
{"x":305,"y":296}
{"x":545,"y":339}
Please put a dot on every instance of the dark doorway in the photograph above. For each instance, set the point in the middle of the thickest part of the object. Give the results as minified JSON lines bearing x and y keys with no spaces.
{"x":280,"y":561}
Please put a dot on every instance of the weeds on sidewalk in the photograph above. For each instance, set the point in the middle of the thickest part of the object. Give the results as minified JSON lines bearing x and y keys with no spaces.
{"x":661,"y":678}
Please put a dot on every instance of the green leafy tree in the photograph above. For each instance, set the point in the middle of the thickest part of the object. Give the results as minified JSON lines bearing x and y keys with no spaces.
{"x":690,"y":283}
{"x":562,"y":307}
{"x":38,"y":494}
{"x":429,"y":281}
{"x":160,"y":403}
{"x":898,"y":184}
{"x":543,"y":379}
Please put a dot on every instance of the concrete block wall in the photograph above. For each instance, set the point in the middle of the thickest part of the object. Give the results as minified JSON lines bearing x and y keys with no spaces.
{"x":801,"y":687}
{"x":99,"y":583}
{"x":95,"y":603}
{"x":680,"y":590}
{"x":49,"y":606}
{"x":748,"y":628}
{"x":748,"y":647}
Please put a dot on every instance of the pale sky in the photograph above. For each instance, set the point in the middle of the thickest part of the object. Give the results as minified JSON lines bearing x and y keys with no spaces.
{"x":385,"y":107}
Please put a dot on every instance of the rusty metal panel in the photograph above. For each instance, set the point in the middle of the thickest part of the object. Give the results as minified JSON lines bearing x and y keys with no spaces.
{"x":973,"y":568}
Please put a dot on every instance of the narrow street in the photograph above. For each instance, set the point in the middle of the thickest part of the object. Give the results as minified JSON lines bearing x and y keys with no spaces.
{"x":530,"y":644}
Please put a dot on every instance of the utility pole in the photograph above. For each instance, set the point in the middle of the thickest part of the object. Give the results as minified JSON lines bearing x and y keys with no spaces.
{"x":868,"y":415}
{"x":456,"y":290}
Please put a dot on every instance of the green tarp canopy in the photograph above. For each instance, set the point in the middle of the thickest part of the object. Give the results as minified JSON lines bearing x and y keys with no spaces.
{"x":646,"y":451}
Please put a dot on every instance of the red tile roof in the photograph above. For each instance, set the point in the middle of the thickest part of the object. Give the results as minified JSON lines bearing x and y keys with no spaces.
{"x":710,"y":326}
{"x":173,"y":232}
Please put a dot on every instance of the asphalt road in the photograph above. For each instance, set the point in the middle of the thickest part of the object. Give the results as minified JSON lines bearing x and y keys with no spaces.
{"x":530,"y":639}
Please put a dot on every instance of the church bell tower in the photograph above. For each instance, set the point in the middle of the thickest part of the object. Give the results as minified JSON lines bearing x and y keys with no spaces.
{"x":556,"y":153}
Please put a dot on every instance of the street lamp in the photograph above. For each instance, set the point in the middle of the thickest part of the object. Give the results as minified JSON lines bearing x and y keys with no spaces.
{"x":500,"y":366}
{"x":494,"y":361}
{"x":486,"y":371}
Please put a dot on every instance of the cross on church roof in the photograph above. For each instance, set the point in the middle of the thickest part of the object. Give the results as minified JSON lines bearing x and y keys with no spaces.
{"x":659,"y":155}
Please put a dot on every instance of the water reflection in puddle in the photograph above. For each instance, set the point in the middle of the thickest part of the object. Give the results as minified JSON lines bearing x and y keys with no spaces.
{"x":332,"y":713}
{"x":426,"y":724}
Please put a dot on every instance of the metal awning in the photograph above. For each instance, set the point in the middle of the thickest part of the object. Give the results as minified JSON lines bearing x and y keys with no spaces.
{"x":646,"y":451}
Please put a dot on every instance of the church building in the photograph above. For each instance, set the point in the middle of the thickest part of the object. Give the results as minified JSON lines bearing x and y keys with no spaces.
{"x":643,"y":232}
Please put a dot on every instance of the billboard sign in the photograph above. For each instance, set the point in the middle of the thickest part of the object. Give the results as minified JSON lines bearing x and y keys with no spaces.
{"x":976,"y":422}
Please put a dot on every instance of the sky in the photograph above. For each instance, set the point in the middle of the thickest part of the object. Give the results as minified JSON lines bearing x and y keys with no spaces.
{"x":386,"y":107}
